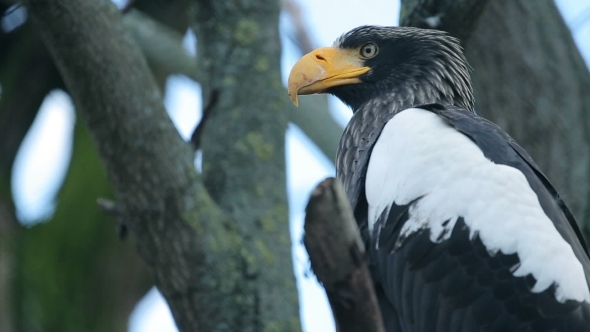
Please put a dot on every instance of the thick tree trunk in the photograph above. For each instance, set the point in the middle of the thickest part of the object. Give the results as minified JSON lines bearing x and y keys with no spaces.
{"x":243,"y":144}
{"x":220,"y":270}
{"x":530,"y":79}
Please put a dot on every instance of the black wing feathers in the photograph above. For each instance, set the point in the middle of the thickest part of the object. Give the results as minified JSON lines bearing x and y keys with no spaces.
{"x":456,"y":284}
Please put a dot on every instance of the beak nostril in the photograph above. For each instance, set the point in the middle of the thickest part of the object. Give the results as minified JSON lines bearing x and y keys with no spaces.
{"x":320,"y":57}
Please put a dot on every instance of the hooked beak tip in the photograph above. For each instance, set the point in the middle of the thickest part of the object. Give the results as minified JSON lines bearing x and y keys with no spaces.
{"x":293,"y":90}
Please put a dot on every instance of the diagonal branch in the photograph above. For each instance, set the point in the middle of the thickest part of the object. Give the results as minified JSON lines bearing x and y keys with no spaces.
{"x":336,"y":252}
{"x":313,"y":115}
{"x":161,"y":45}
{"x":301,"y":38}
{"x":180,"y":232}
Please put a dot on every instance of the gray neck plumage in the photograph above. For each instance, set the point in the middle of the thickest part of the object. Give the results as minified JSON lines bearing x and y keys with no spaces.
{"x":412,"y":94}
{"x":445,"y":83}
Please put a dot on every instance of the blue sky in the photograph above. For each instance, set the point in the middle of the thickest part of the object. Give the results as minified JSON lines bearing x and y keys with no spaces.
{"x":41,"y":162}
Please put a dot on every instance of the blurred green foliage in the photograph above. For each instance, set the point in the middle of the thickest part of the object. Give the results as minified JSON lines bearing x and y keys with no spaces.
{"x":72,"y":272}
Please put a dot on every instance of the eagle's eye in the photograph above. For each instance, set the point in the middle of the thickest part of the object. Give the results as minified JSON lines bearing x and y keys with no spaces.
{"x":369,"y":50}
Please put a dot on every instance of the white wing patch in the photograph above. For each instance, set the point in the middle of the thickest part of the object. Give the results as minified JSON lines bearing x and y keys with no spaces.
{"x":419,"y":155}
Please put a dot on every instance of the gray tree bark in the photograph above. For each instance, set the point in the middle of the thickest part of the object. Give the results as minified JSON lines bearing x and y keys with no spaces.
{"x":530,"y":79}
{"x":243,"y":149}
{"x":33,"y":260}
{"x":221,"y":267}
{"x":337,"y":257}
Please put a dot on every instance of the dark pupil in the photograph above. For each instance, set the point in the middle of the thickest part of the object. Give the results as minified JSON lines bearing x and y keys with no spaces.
{"x":368,"y":50}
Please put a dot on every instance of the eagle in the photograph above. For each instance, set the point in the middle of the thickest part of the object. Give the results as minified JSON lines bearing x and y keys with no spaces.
{"x":462,"y":230}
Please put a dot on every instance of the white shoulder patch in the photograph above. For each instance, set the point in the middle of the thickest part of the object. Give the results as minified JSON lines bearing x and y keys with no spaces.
{"x":419,"y":155}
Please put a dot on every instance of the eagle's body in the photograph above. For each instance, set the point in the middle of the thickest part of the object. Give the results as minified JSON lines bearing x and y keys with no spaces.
{"x":463,"y":231}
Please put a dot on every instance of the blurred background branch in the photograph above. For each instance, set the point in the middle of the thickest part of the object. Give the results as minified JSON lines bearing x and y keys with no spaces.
{"x":301,"y":37}
{"x":161,"y":46}
{"x":313,"y":115}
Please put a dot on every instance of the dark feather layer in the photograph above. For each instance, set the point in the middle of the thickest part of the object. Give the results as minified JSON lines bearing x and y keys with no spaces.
{"x":456,"y":285}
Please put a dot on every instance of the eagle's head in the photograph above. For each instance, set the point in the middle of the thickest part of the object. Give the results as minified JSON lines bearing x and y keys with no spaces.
{"x":403,"y":65}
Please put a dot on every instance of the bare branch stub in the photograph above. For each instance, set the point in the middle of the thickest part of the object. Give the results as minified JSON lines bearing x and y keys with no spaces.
{"x":336,"y":252}
{"x":108,"y":206}
{"x":197,"y":133}
{"x":111,"y":208}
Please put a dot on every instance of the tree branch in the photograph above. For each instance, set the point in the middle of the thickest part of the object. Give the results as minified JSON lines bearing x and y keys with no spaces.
{"x":198,"y":132}
{"x":301,"y":38}
{"x":336,"y":252}
{"x":174,"y":14}
{"x":181,"y":234}
{"x":161,"y":46}
{"x":313,"y":115}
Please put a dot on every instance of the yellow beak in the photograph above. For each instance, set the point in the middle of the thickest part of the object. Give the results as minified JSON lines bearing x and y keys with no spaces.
{"x":323,"y":68}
